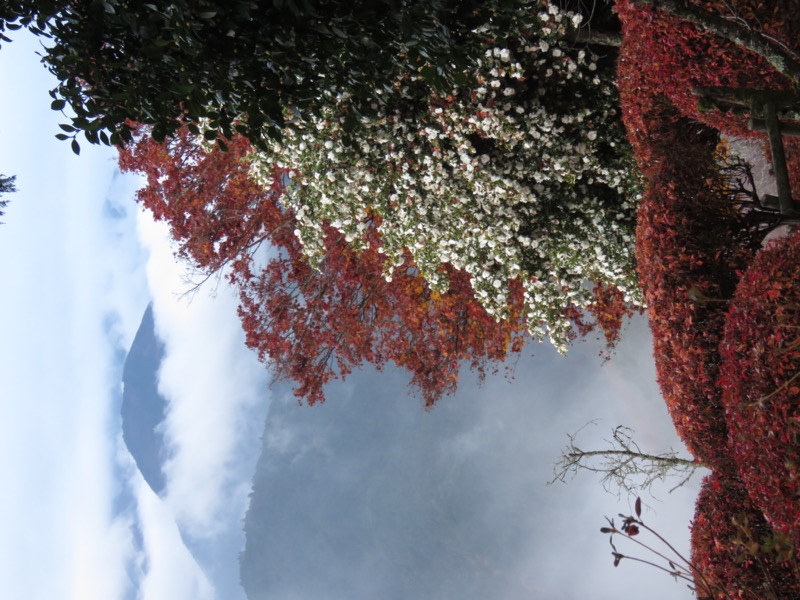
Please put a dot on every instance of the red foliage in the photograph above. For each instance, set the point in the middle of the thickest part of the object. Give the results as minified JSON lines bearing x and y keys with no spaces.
{"x":686,"y":240}
{"x":691,"y":240}
{"x":761,"y":380}
{"x":680,"y":56}
{"x":662,"y":55}
{"x":607,"y":313}
{"x":214,"y":211}
{"x":734,"y":552}
{"x":314,"y":325}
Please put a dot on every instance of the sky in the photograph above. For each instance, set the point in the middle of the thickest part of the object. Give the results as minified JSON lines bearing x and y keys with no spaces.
{"x":80,"y":262}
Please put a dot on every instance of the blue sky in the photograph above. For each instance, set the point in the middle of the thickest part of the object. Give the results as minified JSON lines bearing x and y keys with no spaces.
{"x":79,"y":264}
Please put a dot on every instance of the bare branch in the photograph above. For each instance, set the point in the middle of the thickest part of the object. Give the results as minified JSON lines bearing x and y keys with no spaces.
{"x":623,"y":466}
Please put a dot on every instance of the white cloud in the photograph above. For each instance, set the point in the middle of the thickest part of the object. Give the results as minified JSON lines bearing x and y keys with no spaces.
{"x":216,"y":389}
{"x":72,"y":281}
{"x":171,"y":571}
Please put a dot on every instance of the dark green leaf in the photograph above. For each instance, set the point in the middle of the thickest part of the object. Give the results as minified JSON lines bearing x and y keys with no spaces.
{"x":58,"y":104}
{"x":76,"y":147}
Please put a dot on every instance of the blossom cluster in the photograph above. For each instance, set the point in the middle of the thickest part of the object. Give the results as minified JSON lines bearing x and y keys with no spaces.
{"x":525,"y":175}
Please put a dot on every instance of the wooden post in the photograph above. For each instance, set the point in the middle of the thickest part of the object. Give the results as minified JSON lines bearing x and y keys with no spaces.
{"x":766,"y":102}
{"x":742,"y":97}
{"x":779,"y":160}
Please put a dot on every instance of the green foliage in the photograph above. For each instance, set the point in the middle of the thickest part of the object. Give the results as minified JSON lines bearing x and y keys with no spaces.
{"x":7,"y":185}
{"x":237,"y":65}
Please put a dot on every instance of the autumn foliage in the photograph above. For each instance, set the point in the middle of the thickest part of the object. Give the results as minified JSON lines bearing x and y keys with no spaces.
{"x":674,"y":57}
{"x":726,"y":367}
{"x":761,"y":382}
{"x":735,"y":554}
{"x":681,"y":56}
{"x":313,"y":325}
{"x":686,"y":241}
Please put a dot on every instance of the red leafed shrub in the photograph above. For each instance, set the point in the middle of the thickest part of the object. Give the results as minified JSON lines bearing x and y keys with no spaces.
{"x":777,"y":18}
{"x":690,"y":238}
{"x":687,"y":245}
{"x":678,"y":56}
{"x":735,"y":554}
{"x":662,"y":58}
{"x":760,"y":376}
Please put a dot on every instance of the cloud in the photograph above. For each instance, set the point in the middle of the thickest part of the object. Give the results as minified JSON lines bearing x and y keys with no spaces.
{"x":216,"y":389}
{"x":74,"y":291}
{"x":171,"y":572}
{"x":62,"y":277}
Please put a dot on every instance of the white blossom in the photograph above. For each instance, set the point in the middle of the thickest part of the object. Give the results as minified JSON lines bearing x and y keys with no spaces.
{"x":522,"y":207}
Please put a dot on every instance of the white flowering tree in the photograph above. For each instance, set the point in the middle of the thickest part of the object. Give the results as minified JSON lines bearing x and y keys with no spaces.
{"x":525,"y":175}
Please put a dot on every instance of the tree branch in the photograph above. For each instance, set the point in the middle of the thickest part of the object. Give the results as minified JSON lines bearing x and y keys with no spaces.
{"x":623,"y":465}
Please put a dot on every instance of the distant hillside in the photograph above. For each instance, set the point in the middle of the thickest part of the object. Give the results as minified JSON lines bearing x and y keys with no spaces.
{"x":143,"y":408}
{"x":369,"y":496}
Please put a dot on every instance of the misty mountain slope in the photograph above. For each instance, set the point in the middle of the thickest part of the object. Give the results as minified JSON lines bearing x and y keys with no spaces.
{"x":369,"y":496}
{"x":143,"y":408}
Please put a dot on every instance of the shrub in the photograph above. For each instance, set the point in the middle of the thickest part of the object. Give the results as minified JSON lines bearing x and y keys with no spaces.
{"x":686,"y":242}
{"x":681,"y":56}
{"x":761,"y":382}
{"x":734,"y":552}
{"x":662,"y":55}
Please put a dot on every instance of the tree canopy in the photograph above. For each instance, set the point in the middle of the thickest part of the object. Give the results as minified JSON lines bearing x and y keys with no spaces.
{"x":525,"y":175}
{"x":462,"y":152}
{"x":448,"y":223}
{"x":312,"y":324}
{"x":237,"y":65}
